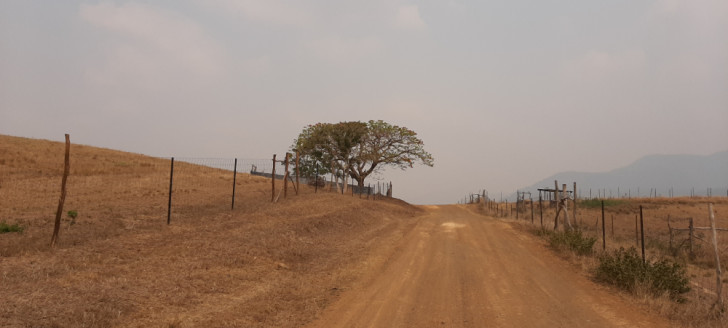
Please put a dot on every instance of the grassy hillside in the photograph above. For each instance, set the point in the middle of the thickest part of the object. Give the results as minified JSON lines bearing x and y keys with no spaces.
{"x":119,"y":264}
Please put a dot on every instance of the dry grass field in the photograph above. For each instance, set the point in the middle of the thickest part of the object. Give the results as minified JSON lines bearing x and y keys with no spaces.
{"x":620,"y":218}
{"x":119,"y":264}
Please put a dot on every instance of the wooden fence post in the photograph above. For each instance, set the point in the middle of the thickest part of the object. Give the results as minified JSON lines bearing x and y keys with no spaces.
{"x":540,"y":207}
{"x":604,"y":230}
{"x":298,"y":173}
{"x":62,"y":199}
{"x":690,"y":242}
{"x":567,"y":222}
{"x":316,"y":182}
{"x":273,"y":180}
{"x":612,"y":226}
{"x":576,"y":221}
{"x":285,"y":176}
{"x":642,"y":234}
{"x":669,"y":228}
{"x":557,"y":196}
{"x":531,"y":210}
{"x":235,"y":176}
{"x":169,"y":202}
{"x":718,"y":284}
{"x":636,"y":233}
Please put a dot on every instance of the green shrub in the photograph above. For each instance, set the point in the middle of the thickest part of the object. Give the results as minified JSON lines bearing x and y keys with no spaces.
{"x":572,"y":240}
{"x":4,"y":227}
{"x":72,"y":214}
{"x":625,"y":269}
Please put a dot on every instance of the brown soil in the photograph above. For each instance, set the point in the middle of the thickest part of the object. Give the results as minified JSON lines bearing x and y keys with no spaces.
{"x":459,"y":269}
{"x":344,"y":260}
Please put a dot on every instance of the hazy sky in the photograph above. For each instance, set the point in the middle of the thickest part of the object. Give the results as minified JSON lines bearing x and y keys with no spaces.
{"x":503,"y":93}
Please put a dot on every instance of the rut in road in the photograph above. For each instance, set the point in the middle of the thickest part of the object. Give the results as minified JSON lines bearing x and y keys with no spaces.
{"x":460,"y":269}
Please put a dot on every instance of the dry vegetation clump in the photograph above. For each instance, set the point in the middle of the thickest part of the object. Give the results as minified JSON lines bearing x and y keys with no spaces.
{"x":260,"y":265}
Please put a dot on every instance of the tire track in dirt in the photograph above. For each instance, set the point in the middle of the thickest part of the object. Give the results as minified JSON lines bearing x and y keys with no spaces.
{"x":460,"y":269}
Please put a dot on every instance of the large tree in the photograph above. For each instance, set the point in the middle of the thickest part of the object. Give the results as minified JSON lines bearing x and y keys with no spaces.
{"x":359,"y":149}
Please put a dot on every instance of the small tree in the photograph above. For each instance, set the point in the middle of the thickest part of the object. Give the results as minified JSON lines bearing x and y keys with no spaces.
{"x":360,"y":149}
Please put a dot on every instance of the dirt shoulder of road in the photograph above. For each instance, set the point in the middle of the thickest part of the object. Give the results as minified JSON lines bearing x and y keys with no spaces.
{"x":460,"y":269}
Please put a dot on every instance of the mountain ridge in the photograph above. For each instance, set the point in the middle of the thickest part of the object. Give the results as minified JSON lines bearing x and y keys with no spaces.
{"x":676,"y":175}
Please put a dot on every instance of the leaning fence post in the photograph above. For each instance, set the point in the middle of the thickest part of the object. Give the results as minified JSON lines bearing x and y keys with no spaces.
{"x":235,"y":176}
{"x":62,"y":199}
{"x":718,"y":284}
{"x":169,"y":203}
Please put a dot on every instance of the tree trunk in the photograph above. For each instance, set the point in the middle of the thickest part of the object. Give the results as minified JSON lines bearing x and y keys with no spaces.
{"x":343,"y":181}
{"x":360,"y":182}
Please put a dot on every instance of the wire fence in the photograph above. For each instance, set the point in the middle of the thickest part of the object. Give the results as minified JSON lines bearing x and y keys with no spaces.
{"x":639,"y":192}
{"x":109,"y":192}
{"x":676,"y":228}
{"x":198,"y":184}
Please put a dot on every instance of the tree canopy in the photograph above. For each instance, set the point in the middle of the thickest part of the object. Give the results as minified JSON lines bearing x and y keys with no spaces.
{"x":359,"y":149}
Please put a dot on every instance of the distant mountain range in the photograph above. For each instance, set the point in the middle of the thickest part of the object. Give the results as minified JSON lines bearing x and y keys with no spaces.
{"x":681,"y":175}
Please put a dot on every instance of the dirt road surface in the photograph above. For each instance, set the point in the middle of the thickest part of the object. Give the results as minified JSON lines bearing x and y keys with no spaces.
{"x":460,"y":269}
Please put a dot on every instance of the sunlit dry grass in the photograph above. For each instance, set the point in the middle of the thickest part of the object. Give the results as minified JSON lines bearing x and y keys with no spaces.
{"x":120,"y":264}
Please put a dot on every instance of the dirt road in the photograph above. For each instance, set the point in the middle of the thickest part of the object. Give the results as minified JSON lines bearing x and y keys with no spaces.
{"x":460,"y":269}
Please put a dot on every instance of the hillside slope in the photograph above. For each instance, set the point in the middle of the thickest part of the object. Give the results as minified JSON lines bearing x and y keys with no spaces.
{"x":119,"y":264}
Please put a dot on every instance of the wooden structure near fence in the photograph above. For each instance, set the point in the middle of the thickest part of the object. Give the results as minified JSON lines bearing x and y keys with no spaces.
{"x":714,"y":241}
